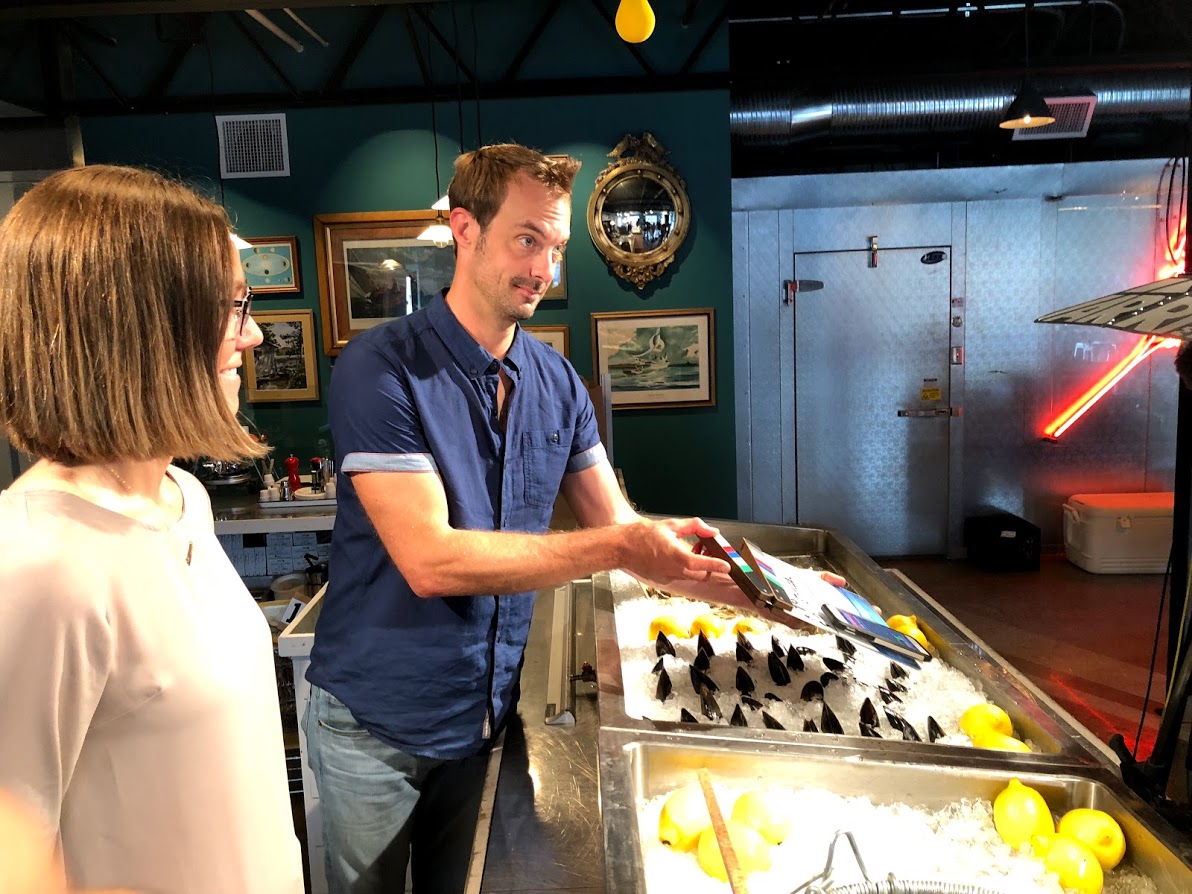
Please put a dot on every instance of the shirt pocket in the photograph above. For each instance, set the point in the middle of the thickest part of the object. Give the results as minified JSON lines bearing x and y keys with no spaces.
{"x":544,"y":462}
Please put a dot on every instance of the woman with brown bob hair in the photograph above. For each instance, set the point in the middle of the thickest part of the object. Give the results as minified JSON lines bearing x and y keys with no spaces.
{"x":136,"y":673}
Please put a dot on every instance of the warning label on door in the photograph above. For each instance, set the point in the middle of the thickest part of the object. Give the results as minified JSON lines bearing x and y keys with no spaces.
{"x":931,"y":390}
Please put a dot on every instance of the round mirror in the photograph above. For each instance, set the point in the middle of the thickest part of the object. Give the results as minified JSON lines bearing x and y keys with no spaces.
{"x":639,"y":212}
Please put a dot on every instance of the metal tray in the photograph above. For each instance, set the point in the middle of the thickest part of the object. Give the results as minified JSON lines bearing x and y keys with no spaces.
{"x":1060,"y":742}
{"x":640,"y":765}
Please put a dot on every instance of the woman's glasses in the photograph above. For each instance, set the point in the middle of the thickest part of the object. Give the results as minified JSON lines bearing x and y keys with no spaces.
{"x":240,"y":309}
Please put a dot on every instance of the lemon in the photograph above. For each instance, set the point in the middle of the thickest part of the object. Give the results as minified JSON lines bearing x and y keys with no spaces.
{"x":1074,"y":863}
{"x":909,"y":625}
{"x":984,"y":716}
{"x":709,"y":625}
{"x":753,"y":851}
{"x":749,"y":625}
{"x":1020,"y":813}
{"x":987,"y":738}
{"x":1098,"y":831}
{"x":670,"y":625}
{"x":765,"y":814}
{"x":684,"y":817}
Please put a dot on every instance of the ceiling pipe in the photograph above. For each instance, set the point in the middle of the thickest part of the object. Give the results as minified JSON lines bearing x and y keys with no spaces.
{"x":935,"y":10}
{"x":776,"y":116}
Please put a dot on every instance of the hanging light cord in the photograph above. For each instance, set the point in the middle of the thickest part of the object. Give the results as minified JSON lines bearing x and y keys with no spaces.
{"x":434,"y":126}
{"x":476,"y":70}
{"x":459,"y":88}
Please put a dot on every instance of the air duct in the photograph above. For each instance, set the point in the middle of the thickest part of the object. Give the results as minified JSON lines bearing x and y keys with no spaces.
{"x":776,"y":116}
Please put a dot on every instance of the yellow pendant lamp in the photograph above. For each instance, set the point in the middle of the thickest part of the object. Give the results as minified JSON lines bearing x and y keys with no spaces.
{"x":635,"y":20}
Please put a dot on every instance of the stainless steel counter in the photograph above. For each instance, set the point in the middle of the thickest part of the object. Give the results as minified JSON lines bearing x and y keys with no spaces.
{"x":238,"y":512}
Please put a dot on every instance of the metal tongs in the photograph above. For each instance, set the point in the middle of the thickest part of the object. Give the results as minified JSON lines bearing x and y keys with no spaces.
{"x":746,"y":571}
{"x":822,"y":883}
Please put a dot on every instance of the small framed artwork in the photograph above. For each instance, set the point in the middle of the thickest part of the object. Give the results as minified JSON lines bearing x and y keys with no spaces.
{"x":657,"y":358}
{"x":271,"y":264}
{"x":558,"y":337}
{"x":373,"y":268}
{"x":558,"y":288}
{"x":282,"y":367}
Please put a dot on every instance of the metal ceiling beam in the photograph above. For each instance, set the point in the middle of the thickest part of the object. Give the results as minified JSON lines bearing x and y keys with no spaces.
{"x":336,"y":79}
{"x":263,"y":53}
{"x":165,"y":75}
{"x":411,"y":94}
{"x":702,"y":43}
{"x":32,"y":10}
{"x":531,"y":41}
{"x":417,"y":45}
{"x":445,"y":44}
{"x":79,"y":51}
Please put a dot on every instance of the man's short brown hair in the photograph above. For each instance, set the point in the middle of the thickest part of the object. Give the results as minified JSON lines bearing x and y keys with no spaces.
{"x":482,"y":177}
{"x":115,"y":297}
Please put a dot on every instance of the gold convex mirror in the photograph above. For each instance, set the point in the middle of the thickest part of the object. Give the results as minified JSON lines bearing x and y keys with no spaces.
{"x":639,"y":211}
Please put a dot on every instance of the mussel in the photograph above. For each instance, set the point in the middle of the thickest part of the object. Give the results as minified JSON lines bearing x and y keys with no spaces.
{"x":771,"y":697}
{"x":776,"y":647}
{"x":704,"y":645}
{"x":832,"y":664}
{"x":743,"y":654}
{"x":752,"y":703}
{"x":894,"y":685}
{"x":810,"y":727}
{"x":813,"y":689}
{"x":702,"y":661}
{"x":770,"y":722}
{"x":827,"y":677}
{"x":699,"y":678}
{"x":934,"y":731}
{"x":897,"y":671}
{"x":708,"y":706}
{"x":847,"y":649}
{"x":894,"y":720}
{"x":869,"y":732}
{"x":887,"y":696}
{"x":663,"y":690}
{"x":745,"y":684}
{"x":828,"y":721}
{"x":657,"y":668}
{"x":744,"y":643}
{"x":909,"y":733}
{"x":738,"y":718}
{"x":794,"y":661}
{"x":663,"y":646}
{"x":686,"y":716}
{"x":869,"y":714}
{"x":778,"y":672}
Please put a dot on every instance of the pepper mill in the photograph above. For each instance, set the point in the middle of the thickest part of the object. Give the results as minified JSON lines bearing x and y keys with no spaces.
{"x":292,"y":473}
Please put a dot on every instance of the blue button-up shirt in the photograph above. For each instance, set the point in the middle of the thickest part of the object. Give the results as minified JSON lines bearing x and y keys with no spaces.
{"x":435,"y":677}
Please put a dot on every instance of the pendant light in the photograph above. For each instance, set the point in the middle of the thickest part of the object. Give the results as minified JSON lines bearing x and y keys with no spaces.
{"x":635,"y":20}
{"x":1029,"y":108}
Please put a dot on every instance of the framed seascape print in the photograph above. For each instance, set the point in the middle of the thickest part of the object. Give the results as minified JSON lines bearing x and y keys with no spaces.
{"x":657,"y":358}
{"x":558,"y":288}
{"x":271,"y":264}
{"x":373,"y":268}
{"x":558,"y":337}
{"x":282,"y":366}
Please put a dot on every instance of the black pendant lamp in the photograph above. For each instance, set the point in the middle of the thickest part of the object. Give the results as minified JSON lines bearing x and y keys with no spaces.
{"x":1029,"y":109}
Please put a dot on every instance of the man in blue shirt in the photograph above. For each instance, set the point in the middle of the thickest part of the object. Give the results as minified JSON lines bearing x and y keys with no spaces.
{"x":455,"y":432}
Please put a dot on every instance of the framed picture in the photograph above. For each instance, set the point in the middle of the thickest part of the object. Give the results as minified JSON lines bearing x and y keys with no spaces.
{"x":558,"y":288}
{"x":271,"y":265}
{"x":558,"y":337}
{"x":373,"y":268}
{"x":282,"y":367}
{"x":657,"y":358}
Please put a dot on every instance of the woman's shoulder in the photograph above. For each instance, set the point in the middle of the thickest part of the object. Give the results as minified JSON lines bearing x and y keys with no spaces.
{"x":198,"y":501}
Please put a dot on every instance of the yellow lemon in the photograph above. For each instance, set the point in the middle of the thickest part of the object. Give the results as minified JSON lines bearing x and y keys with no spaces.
{"x":1020,"y":813}
{"x":1098,"y":831}
{"x":709,"y":625}
{"x":984,"y":716}
{"x":909,"y":625}
{"x":684,"y":817}
{"x":670,"y":625}
{"x":753,"y":851}
{"x":749,"y":625}
{"x":765,"y":814}
{"x":1074,"y":863}
{"x":988,"y":738}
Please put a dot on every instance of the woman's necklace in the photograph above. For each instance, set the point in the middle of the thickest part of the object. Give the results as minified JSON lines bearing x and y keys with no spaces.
{"x":190,"y":546}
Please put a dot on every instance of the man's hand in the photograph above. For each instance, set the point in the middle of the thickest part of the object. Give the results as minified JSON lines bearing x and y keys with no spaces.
{"x":657,"y":552}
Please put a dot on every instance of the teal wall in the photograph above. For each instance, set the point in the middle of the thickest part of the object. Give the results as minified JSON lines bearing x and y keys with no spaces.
{"x":371,"y":158}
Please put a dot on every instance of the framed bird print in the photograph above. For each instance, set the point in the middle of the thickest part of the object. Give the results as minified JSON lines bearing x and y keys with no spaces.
{"x":656,"y":358}
{"x":271,"y":264}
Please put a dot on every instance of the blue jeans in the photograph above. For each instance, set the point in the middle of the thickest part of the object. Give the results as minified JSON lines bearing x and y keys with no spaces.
{"x":384,"y":810}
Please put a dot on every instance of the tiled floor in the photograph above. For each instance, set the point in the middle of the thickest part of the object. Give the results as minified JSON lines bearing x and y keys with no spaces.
{"x":1084,"y":639}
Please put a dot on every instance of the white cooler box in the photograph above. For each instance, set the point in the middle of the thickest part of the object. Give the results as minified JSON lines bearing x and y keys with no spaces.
{"x":1119,"y":533}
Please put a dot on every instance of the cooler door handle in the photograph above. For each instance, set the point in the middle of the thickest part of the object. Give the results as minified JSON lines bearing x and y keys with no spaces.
{"x":929,"y":414}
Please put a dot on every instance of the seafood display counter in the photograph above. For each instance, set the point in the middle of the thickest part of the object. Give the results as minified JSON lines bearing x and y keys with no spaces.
{"x":940,"y":784}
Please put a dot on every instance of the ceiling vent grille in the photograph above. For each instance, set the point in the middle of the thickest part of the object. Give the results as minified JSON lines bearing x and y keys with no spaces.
{"x":1072,"y":117}
{"x":253,"y":146}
